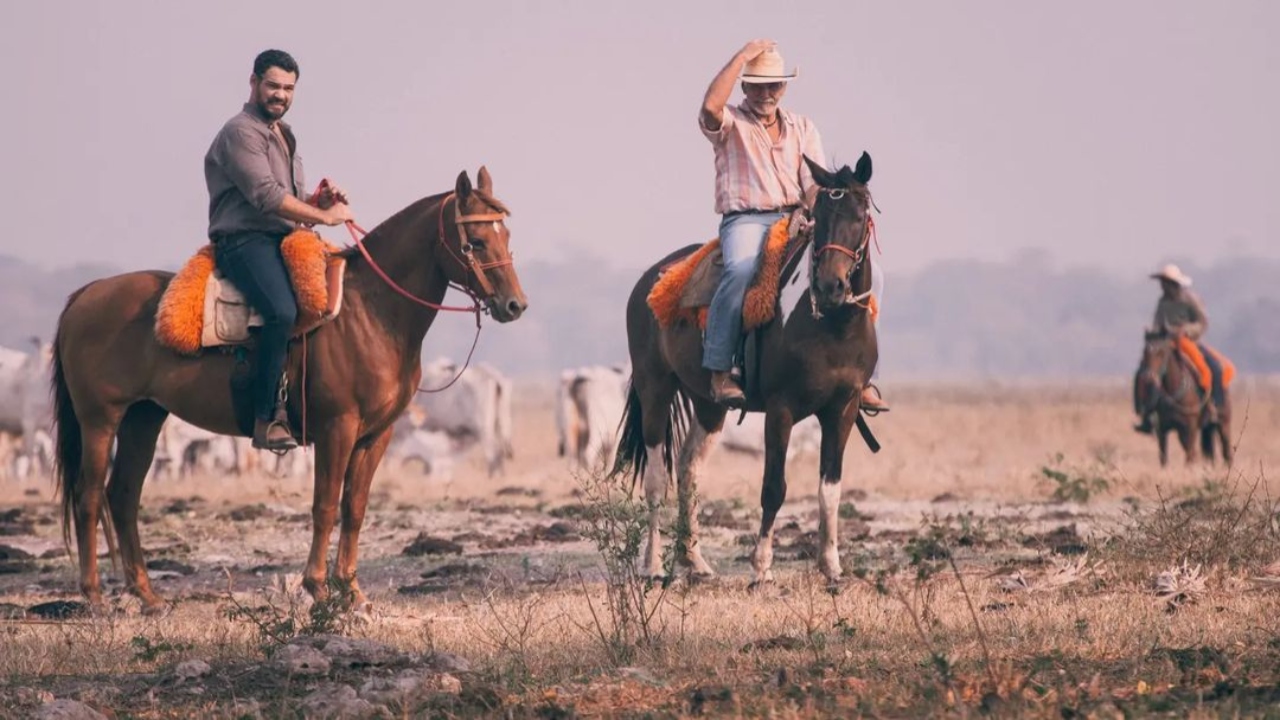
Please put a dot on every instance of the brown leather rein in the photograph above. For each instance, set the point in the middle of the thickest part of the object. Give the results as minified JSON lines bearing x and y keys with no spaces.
{"x":470,"y":264}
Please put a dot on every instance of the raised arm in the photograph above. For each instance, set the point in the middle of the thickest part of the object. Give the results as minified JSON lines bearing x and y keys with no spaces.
{"x":722,"y":86}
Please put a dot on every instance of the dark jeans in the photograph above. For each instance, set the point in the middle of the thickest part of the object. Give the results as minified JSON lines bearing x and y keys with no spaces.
{"x":252,"y":261}
{"x":1215,"y":369}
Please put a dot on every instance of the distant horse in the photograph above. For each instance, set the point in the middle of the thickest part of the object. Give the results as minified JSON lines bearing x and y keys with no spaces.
{"x":1166,"y":385}
{"x":815,"y":364}
{"x":113,"y":380}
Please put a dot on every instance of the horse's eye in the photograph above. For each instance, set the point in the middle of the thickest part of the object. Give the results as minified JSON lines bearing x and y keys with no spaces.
{"x":836,"y":194}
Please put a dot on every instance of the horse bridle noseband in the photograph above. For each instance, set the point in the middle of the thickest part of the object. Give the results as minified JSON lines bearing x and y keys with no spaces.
{"x":468,"y":260}
{"x":858,"y":254}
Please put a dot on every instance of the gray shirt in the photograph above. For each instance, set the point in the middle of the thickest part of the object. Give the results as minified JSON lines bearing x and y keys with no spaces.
{"x":1183,"y":312}
{"x":248,"y":172}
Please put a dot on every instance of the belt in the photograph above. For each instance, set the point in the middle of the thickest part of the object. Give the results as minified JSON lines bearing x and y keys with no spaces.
{"x":784,"y":209}
{"x":233,"y":234}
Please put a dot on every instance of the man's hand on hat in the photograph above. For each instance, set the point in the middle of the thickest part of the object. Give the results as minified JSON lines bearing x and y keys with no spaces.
{"x":755,"y":48}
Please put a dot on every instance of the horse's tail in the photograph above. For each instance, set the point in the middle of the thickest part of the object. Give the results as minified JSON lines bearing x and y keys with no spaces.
{"x":68,"y":443}
{"x":632,"y":455}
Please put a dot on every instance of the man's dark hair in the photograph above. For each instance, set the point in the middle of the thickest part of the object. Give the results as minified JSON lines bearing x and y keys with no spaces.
{"x":268,"y":59}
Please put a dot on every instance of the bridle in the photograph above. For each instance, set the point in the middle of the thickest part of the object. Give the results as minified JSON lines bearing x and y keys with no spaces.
{"x":469,"y":265}
{"x":858,"y":254}
{"x":467,"y":261}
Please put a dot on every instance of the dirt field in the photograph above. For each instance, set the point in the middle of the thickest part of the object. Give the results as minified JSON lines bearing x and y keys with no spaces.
{"x":1001,"y":556}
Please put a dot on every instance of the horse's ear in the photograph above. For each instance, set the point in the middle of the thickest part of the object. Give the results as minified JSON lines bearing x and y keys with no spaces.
{"x":483,"y":181}
{"x":821,"y":175}
{"x":463,"y":188}
{"x":862,"y":173}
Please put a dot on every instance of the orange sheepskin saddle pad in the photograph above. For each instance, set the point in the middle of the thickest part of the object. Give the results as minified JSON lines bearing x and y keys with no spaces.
{"x":200,"y":308}
{"x":686,"y":286}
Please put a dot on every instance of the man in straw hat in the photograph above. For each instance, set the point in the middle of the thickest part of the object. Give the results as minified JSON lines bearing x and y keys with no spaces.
{"x":1180,"y":313}
{"x":761,"y":177}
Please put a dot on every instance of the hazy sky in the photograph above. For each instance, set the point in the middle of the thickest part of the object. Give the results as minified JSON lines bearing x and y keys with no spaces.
{"x":1105,"y":132}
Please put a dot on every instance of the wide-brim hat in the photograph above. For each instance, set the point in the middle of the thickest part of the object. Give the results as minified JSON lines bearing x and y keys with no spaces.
{"x":768,"y":67}
{"x":1172,"y":273}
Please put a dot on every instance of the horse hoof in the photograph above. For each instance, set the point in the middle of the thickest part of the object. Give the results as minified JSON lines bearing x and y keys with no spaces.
{"x":760,"y":585}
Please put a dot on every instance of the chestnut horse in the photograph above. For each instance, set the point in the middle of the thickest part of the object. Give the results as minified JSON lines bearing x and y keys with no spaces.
{"x":113,"y":381}
{"x":1166,"y":385}
{"x":816,"y":363}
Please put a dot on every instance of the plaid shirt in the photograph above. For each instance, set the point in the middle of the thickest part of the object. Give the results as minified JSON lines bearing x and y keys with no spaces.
{"x":755,"y":173}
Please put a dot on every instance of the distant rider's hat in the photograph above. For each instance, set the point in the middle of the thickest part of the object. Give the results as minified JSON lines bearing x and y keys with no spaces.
{"x":1171,"y":273}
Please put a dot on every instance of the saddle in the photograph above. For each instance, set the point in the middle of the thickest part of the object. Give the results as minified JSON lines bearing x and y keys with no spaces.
{"x":200,"y":308}
{"x":686,"y":285}
{"x":1189,"y":351}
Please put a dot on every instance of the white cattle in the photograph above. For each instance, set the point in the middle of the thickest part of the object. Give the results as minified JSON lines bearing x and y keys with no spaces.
{"x":475,"y":410}
{"x":589,"y":406}
{"x":26,"y":413}
{"x":183,"y":449}
{"x":411,"y":443}
{"x":748,"y":438}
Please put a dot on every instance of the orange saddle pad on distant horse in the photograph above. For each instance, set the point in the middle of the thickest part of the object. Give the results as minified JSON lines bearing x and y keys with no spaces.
{"x":1191,"y":351}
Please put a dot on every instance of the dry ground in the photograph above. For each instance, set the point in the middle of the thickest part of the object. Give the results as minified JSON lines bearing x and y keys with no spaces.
{"x":971,"y":589}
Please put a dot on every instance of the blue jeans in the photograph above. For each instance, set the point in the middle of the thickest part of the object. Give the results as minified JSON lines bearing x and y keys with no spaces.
{"x":252,"y":262}
{"x":741,"y":238}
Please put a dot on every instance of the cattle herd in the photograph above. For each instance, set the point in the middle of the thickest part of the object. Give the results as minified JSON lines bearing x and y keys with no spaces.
{"x":471,"y":415}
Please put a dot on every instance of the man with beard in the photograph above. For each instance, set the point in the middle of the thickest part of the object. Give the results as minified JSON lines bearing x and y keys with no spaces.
{"x":254,"y":175}
{"x":761,"y":177}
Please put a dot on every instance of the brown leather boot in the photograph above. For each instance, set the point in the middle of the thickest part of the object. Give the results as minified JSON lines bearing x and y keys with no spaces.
{"x":871,"y":400}
{"x":725,"y":391}
{"x":273,"y":435}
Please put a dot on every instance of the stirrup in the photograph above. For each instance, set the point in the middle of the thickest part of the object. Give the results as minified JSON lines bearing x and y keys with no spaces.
{"x":279,"y":446}
{"x":871,"y":410}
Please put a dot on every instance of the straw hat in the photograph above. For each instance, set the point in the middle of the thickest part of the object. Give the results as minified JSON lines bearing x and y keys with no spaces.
{"x":1171,"y":273}
{"x":767,"y":67}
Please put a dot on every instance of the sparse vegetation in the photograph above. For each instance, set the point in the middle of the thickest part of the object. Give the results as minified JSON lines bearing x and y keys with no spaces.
{"x":990,"y":601}
{"x":1075,"y":484}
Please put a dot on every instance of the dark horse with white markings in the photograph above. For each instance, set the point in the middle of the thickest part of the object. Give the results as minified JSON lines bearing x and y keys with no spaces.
{"x":113,"y":381}
{"x":817,"y":363}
